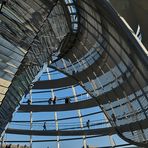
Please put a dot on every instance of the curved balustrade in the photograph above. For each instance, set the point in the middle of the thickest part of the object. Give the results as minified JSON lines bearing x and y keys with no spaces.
{"x":87,"y":103}
{"x":94,"y":124}
{"x":100,"y":131}
{"x":60,"y":119}
{"x":67,"y":81}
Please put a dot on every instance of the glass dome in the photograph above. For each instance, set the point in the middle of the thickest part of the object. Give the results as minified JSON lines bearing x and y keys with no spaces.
{"x":71,"y":70}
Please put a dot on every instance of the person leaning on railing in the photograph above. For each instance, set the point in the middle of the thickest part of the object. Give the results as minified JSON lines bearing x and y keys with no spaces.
{"x":67,"y":100}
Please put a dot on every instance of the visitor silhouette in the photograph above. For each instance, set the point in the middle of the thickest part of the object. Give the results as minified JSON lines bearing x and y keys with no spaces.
{"x":88,"y":124}
{"x":44,"y":126}
{"x":67,"y":100}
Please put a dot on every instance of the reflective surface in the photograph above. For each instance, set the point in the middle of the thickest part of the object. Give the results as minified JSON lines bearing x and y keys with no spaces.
{"x":89,"y":43}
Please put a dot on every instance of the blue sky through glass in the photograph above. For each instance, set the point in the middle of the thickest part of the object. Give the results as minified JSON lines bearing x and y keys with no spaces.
{"x":38,"y":96}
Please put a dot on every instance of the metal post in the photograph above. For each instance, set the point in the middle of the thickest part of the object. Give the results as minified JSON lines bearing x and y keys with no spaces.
{"x":2,"y":141}
{"x":139,"y":132}
{"x":30,"y":117}
{"x":76,"y":100}
{"x":80,"y":117}
{"x":112,"y":142}
{"x":55,"y":113}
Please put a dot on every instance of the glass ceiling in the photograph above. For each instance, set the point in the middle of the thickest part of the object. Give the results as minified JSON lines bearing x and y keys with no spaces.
{"x":101,"y":61}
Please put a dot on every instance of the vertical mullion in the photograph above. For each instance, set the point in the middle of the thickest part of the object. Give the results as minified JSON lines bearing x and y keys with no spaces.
{"x":80,"y":116}
{"x":55,"y":113}
{"x":30,"y":95}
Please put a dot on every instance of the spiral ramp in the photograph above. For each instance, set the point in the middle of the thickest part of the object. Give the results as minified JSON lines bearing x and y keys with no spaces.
{"x":93,"y":47}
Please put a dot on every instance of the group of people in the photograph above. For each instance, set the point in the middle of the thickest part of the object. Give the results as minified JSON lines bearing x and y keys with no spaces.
{"x":18,"y":146}
{"x":53,"y":100}
{"x":8,"y":146}
{"x":87,"y":124}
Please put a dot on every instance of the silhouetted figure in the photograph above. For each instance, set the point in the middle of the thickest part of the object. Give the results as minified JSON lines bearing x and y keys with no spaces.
{"x":88,"y":124}
{"x":25,"y":146}
{"x":113,"y":117}
{"x":67,"y":100}
{"x":44,"y":126}
{"x":9,"y":146}
{"x":54,"y":100}
{"x":73,"y":72}
{"x":29,"y":101}
{"x":49,"y":101}
{"x":18,"y":145}
{"x":26,"y":93}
